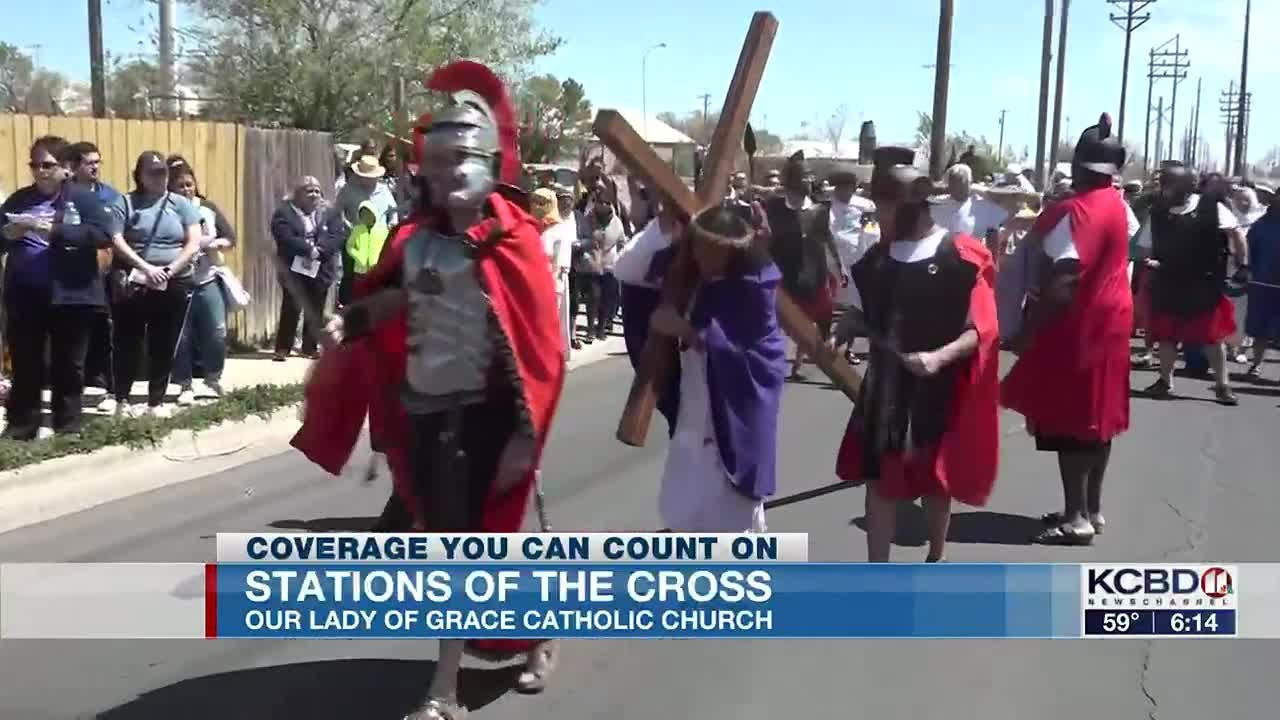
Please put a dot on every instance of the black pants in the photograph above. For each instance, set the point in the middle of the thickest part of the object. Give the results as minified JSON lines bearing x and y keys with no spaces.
{"x":287,"y":330}
{"x":98,"y":360}
{"x":153,"y":317}
{"x":455,"y":458}
{"x":585,"y":290}
{"x":348,"y":281}
{"x":610,"y":302}
{"x":66,"y":330}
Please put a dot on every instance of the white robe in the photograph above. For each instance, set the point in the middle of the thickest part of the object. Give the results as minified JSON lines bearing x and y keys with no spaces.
{"x":696,"y":494}
{"x":558,"y":242}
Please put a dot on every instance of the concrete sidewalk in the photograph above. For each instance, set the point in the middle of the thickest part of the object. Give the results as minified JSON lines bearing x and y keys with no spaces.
{"x":66,"y":485}
{"x":251,"y":369}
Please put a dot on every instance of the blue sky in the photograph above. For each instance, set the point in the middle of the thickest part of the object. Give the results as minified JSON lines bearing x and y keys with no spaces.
{"x":864,"y":54}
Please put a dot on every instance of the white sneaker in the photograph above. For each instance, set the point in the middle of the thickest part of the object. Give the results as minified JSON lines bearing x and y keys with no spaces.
{"x":187,"y":397}
{"x":160,"y":412}
{"x":108,"y":405}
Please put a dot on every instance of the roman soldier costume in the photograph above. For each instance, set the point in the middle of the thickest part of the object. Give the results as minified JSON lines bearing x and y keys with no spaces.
{"x":1188,"y":235}
{"x":460,"y":381}
{"x":802,"y":246}
{"x":915,"y":433}
{"x":1071,"y":381}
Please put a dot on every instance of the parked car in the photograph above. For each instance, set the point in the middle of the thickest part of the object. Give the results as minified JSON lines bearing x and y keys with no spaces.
{"x":539,"y":174}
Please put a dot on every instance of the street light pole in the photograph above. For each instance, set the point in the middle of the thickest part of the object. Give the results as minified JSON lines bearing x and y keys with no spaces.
{"x":644,"y":89}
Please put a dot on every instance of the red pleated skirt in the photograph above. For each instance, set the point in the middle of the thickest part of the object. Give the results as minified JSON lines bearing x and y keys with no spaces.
{"x":1207,"y":328}
{"x":821,"y":306}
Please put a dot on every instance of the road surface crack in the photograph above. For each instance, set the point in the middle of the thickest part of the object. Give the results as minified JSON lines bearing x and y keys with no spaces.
{"x":1142,"y":680}
{"x":1196,"y":534}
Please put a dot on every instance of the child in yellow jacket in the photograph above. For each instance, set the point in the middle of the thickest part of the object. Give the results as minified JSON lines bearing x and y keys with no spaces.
{"x":364,"y":245}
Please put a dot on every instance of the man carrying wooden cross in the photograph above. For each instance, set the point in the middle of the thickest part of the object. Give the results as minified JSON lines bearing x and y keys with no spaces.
{"x":654,"y":367}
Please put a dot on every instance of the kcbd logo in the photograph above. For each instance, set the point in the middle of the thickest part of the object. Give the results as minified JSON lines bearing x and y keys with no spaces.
{"x":1215,"y":582}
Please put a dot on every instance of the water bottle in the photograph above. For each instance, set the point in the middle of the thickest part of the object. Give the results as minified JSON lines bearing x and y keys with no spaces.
{"x":70,"y":215}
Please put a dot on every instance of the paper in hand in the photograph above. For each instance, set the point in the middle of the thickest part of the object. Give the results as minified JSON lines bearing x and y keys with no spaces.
{"x":305,"y":266}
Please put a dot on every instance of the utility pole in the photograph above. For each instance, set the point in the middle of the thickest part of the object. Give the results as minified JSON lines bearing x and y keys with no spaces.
{"x":941,"y":87}
{"x":1056,"y":142}
{"x":1163,"y":64}
{"x":97,"y":60}
{"x":1045,"y":60}
{"x":1229,"y":105}
{"x":1193,"y":145}
{"x":1180,"y":65}
{"x":1129,"y":20}
{"x":1242,"y":111}
{"x":1000,"y":150}
{"x":706,"y":114}
{"x":167,"y":78}
{"x":1159,"y":130}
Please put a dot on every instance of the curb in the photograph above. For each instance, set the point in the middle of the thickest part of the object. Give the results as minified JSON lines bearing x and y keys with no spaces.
{"x":63,"y":486}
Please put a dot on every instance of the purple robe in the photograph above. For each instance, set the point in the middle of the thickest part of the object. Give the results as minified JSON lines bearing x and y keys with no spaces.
{"x":638,"y":304}
{"x":746,"y":365}
{"x":746,"y":368}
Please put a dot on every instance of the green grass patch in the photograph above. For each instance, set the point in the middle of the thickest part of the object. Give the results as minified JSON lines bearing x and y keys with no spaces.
{"x":147,"y":432}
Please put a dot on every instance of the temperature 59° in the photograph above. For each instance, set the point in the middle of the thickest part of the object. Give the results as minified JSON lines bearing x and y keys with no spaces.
{"x":1119,"y":623}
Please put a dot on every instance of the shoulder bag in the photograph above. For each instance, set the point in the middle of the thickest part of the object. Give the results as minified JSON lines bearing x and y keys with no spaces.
{"x":123,"y":285}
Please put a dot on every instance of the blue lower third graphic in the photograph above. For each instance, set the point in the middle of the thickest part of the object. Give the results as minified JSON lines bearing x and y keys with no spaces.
{"x":782,"y":600}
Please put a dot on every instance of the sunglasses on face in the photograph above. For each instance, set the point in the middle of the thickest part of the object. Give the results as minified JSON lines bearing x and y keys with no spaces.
{"x":47,"y":165}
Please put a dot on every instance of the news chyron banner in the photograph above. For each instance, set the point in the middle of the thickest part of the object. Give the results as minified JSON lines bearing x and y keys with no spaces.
{"x":597,"y":585}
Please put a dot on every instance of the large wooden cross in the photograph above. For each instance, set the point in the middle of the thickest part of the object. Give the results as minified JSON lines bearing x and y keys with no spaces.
{"x":636,"y":154}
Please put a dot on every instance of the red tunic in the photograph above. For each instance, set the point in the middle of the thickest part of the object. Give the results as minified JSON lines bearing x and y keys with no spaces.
{"x":962,"y":465}
{"x":1073,"y":379}
{"x":1206,"y":328}
{"x":366,"y":375}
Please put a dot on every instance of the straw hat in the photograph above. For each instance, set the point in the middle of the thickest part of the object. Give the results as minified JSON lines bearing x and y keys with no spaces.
{"x":368,"y":167}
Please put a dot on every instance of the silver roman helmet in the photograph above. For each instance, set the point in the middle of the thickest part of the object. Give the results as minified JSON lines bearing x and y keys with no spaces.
{"x":470,"y":146}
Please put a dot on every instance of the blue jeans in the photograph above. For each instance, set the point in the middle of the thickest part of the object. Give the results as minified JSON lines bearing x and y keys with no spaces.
{"x":206,"y":329}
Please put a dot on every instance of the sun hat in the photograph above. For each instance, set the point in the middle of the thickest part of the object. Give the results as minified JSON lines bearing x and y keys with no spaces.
{"x":368,"y":167}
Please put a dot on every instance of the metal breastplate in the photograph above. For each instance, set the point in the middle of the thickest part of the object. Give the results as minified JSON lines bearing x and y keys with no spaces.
{"x":450,"y":341}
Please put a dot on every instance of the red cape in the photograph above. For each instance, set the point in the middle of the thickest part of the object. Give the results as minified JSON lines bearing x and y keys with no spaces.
{"x":364,"y":377}
{"x":1073,"y":378}
{"x":963,"y":465}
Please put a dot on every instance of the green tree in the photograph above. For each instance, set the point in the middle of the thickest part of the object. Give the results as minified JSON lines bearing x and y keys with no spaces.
{"x":128,"y":87}
{"x":555,"y":119}
{"x":26,"y":89}
{"x":332,"y":64}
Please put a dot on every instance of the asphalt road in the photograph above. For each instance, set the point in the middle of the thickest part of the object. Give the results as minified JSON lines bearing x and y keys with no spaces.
{"x":1191,"y":482}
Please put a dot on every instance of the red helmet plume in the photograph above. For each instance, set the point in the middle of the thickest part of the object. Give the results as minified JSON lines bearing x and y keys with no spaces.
{"x":465,"y":75}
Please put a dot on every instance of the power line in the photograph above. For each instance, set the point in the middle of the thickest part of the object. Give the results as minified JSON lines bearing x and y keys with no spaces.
{"x":1230,"y":103}
{"x":1163,"y":64}
{"x":1242,"y":112}
{"x":1129,"y":20}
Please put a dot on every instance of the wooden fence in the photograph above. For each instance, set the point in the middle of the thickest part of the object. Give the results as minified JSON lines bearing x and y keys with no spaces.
{"x":245,"y":171}
{"x":279,"y":159}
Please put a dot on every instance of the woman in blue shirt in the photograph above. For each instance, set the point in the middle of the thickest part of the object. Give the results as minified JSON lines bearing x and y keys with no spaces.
{"x":152,"y":285}
{"x":53,"y":291}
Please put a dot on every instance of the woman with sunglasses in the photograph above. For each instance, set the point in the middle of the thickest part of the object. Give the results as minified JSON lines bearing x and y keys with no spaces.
{"x":53,"y":290}
{"x":152,"y":285}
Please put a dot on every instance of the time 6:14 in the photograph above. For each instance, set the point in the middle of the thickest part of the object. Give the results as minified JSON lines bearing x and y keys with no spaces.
{"x":1203,"y":622}
{"x":1195,"y":623}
